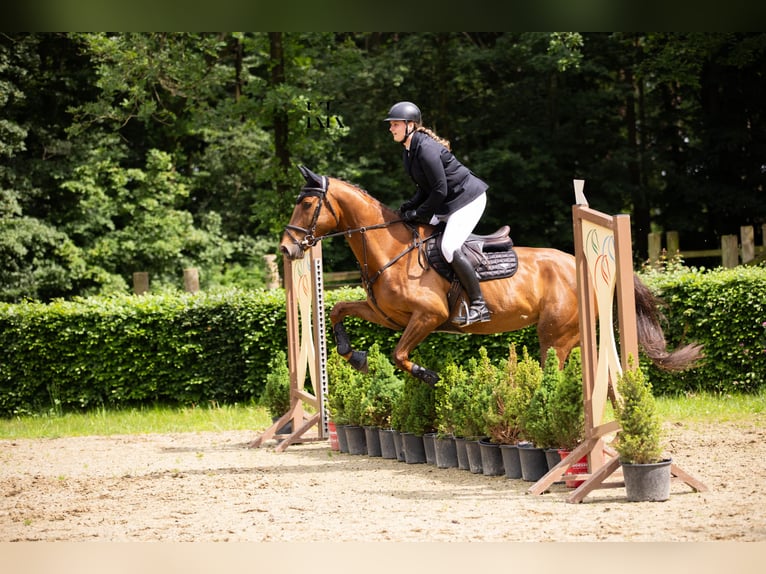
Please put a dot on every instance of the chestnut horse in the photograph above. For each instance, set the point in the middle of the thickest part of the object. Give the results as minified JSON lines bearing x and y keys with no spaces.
{"x":405,"y":293}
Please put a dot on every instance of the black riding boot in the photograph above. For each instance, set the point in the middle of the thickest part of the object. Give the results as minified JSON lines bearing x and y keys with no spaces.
{"x":477,"y":311}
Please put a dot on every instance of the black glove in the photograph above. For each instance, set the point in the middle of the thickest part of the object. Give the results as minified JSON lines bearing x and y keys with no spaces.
{"x":406,"y":206}
{"x":410,"y":215}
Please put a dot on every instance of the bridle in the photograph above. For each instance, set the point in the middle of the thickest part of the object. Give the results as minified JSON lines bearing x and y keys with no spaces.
{"x":309,"y":237}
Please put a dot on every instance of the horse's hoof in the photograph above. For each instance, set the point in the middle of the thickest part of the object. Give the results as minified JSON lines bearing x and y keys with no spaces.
{"x":358,"y":360}
{"x":428,"y":377}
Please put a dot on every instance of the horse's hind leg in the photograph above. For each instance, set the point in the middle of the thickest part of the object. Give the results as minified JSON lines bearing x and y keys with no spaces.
{"x":562,"y":335}
{"x":420,"y":326}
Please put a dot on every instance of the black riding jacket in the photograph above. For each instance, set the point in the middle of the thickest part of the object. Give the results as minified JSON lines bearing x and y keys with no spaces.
{"x":444,"y":184}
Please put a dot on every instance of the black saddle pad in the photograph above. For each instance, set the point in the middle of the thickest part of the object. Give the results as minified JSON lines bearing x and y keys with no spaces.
{"x":488,"y":264}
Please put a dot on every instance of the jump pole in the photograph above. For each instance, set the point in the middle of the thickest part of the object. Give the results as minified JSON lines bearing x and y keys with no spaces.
{"x":306,"y":349}
{"x":604,"y":260}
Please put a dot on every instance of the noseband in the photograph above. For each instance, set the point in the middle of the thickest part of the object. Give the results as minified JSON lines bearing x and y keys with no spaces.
{"x":309,"y":237}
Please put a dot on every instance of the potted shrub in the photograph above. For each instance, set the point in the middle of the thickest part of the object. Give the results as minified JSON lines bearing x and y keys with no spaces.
{"x":446,"y":415}
{"x":341,"y":377}
{"x":454,"y":414}
{"x":382,"y":390}
{"x":503,"y":417}
{"x":538,"y":421}
{"x":529,"y":377}
{"x":276,"y":393}
{"x":414,"y":415}
{"x":567,"y":413}
{"x":645,"y":471}
{"x":485,"y":378}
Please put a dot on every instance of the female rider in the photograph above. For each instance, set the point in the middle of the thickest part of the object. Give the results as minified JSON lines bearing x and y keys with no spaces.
{"x":447,"y":191}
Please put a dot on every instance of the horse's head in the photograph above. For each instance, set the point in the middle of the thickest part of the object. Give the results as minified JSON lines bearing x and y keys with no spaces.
{"x":313,"y":216}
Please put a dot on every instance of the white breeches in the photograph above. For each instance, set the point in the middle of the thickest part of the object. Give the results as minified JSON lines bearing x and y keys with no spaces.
{"x":460,"y":225}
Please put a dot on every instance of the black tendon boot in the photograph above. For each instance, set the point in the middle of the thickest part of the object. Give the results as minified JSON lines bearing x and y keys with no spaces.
{"x":477,"y":311}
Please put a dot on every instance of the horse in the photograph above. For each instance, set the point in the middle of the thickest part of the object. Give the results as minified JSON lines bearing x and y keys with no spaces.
{"x":406,"y":293}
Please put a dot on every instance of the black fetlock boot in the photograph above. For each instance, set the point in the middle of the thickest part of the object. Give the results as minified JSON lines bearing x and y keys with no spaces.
{"x":477,"y":311}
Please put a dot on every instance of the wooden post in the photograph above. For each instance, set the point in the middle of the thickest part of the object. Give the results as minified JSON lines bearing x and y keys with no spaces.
{"x":306,"y":350}
{"x":272,"y":271}
{"x":655,"y":247}
{"x":747,"y":238}
{"x":140,"y":282}
{"x":191,"y":280}
{"x":729,"y":251}
{"x":673,"y":243}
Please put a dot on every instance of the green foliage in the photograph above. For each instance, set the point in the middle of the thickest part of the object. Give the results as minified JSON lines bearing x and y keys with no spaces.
{"x":127,"y":350}
{"x":510,"y":398}
{"x":383,"y":389}
{"x":341,"y":384}
{"x":276,"y":391}
{"x":725,"y":311}
{"x":452,"y":401}
{"x":503,"y":416}
{"x":414,"y":408}
{"x":566,"y":404}
{"x":538,"y":422}
{"x":463,"y":395}
{"x":639,"y":440}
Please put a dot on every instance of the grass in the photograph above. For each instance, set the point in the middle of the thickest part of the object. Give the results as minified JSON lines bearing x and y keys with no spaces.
{"x":144,"y":420}
{"x":714,"y":408}
{"x":705,"y":408}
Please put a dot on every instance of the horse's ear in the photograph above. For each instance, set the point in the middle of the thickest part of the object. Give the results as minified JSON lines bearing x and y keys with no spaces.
{"x":310,"y":176}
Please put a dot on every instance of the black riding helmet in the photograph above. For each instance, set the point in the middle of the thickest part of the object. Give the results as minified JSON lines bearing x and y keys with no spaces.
{"x":404,"y":111}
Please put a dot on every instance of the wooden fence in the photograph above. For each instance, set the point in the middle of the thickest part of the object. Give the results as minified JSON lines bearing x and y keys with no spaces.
{"x":734,"y":250}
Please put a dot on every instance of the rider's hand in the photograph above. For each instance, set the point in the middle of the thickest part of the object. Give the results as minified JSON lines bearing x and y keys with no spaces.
{"x":410,"y":215}
{"x":405,"y":207}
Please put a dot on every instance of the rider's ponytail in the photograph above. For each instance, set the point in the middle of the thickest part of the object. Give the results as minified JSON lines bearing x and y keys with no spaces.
{"x":430,"y":133}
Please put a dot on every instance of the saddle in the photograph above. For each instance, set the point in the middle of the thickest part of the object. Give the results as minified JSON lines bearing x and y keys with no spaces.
{"x":492,"y":256}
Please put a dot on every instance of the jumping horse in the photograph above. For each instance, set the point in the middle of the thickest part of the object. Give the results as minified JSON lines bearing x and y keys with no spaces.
{"x":407,"y":293}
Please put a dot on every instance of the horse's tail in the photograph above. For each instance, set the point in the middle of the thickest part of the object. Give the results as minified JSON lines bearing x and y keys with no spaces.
{"x":651,"y":337}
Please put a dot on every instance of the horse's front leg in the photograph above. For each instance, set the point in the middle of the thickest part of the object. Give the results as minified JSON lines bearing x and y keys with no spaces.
{"x":341,"y":310}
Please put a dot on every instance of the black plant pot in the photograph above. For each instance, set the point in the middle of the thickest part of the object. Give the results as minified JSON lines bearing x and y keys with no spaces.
{"x":342,"y":442}
{"x":357,"y":442}
{"x":387,"y":447}
{"x":372,"y":437}
{"x":398,"y":446}
{"x":414,"y":449}
{"x":429,"y":444}
{"x":647,"y":482}
{"x":491,"y":458}
{"x":462,"y":453}
{"x":474,"y":456}
{"x":446,"y":452}
{"x":511,"y":461}
{"x":534,"y":465}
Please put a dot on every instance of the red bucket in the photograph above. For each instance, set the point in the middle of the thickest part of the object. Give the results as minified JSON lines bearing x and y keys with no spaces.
{"x":579,"y":467}
{"x":334,"y":444}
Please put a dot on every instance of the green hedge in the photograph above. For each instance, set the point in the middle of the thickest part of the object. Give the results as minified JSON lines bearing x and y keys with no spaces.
{"x":725,"y":310}
{"x":168,"y":348}
{"x":216,"y":346}
{"x":128,"y":350}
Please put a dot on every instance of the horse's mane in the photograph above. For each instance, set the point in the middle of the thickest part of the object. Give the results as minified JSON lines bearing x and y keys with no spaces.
{"x":387,"y":211}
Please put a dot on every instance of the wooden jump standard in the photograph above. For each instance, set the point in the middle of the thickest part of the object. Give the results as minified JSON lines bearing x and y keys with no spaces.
{"x":604,"y":261}
{"x":306,"y":346}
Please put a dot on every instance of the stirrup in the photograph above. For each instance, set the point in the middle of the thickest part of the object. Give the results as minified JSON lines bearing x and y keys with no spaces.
{"x":477,"y":312}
